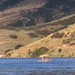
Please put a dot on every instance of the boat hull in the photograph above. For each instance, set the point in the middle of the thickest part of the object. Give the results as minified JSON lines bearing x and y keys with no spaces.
{"x":43,"y":60}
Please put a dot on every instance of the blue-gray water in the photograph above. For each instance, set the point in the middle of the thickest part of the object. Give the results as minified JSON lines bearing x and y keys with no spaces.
{"x":31,"y":66}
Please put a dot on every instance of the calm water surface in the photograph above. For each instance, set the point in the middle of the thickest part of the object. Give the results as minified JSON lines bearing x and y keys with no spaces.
{"x":31,"y":66}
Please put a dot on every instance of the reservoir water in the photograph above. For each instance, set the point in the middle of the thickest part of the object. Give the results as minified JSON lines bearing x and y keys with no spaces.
{"x":31,"y":66}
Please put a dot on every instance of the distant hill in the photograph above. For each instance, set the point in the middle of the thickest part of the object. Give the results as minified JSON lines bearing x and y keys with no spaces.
{"x":38,"y":11}
{"x":12,"y":11}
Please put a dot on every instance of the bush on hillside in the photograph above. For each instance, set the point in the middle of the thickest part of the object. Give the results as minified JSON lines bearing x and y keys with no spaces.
{"x":65,"y":22}
{"x":39,"y":51}
{"x":72,"y":37}
{"x":29,"y":52}
{"x":72,"y":44}
{"x":57,"y":35}
{"x":16,"y":23}
{"x":8,"y":50}
{"x":13,"y":36}
{"x":66,"y":41}
{"x":18,"y":46}
{"x":59,"y":50}
{"x":33,"y":35}
{"x":8,"y":55}
{"x":43,"y":32}
{"x":72,"y":34}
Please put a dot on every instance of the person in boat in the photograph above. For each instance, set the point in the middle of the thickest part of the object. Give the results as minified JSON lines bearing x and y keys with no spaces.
{"x":45,"y":58}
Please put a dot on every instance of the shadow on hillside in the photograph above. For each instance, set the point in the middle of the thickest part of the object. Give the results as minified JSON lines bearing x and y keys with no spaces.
{"x":9,"y":3}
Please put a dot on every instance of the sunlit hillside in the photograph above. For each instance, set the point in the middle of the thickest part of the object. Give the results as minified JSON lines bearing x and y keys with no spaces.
{"x":58,"y":44}
{"x":31,"y":28}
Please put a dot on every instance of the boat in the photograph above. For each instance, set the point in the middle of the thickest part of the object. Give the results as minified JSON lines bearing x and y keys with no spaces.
{"x":45,"y":60}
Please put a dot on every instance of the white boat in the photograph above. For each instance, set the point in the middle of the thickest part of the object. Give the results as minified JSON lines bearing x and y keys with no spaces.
{"x":45,"y":60}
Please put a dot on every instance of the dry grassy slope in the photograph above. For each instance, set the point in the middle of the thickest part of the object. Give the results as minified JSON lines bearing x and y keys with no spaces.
{"x":8,"y":41}
{"x":53,"y":43}
{"x":24,"y":37}
{"x":30,"y":34}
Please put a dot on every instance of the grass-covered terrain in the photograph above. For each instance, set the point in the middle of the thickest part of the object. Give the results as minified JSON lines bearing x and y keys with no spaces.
{"x":58,"y":44}
{"x":13,"y":38}
{"x":45,"y":30}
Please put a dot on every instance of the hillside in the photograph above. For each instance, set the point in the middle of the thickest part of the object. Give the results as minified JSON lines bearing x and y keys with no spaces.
{"x":10,"y":38}
{"x":38,"y":11}
{"x":49,"y":29}
{"x":17,"y":9}
{"x":15,"y":37}
{"x":58,"y":44}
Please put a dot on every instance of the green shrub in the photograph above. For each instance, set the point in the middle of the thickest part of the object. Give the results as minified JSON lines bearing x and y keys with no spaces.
{"x":13,"y":36}
{"x":60,"y":50}
{"x":72,"y":44}
{"x":33,"y":35}
{"x":43,"y":32}
{"x":72,"y":35}
{"x":8,"y":50}
{"x":7,"y":55}
{"x":18,"y":46}
{"x":29,"y":52}
{"x":39,"y":51}
{"x":65,"y":35}
{"x":57,"y":35}
{"x":67,"y":41}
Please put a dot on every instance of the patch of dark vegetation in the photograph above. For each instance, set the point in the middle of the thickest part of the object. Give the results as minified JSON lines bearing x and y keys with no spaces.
{"x":49,"y":25}
{"x":18,"y":46}
{"x":43,"y":12}
{"x":39,"y":51}
{"x":17,"y":23}
{"x":65,"y":22}
{"x":31,"y":22}
{"x":57,"y":35}
{"x":59,"y":50}
{"x":43,"y":32}
{"x":13,"y":36}
{"x":33,"y":35}
{"x":8,"y":50}
{"x":29,"y":52}
{"x":67,"y":34}
{"x":8,"y":54}
{"x":66,"y":41}
{"x":71,"y":44}
{"x":72,"y":35}
{"x":9,"y":3}
{"x":10,"y":28}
